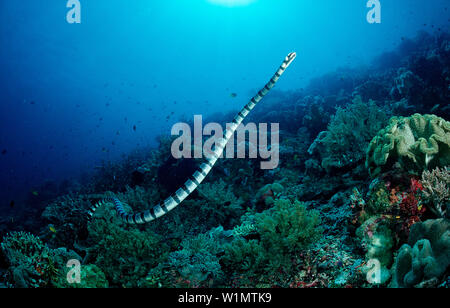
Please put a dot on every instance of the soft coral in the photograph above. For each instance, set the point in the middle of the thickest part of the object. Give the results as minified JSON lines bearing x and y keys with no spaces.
{"x":411,"y":206}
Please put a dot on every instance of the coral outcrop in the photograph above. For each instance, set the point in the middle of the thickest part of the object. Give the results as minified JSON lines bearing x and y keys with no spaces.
{"x":348,"y":134}
{"x":417,"y":143}
{"x":436,"y":184}
{"x":32,"y":263}
{"x":424,"y":260}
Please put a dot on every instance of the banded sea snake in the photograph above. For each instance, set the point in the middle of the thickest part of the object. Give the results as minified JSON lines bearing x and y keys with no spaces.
{"x":192,"y":183}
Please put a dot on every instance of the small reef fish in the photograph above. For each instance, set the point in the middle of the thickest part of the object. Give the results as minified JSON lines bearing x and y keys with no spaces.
{"x":52,"y":229}
{"x":12,"y":203}
{"x":4,"y":151}
{"x":35,"y":193}
{"x":233,"y":95}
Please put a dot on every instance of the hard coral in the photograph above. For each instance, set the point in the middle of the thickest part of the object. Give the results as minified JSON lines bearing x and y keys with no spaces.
{"x":436,"y":189}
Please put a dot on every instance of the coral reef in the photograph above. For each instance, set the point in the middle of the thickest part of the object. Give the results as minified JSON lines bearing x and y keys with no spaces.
{"x":283,"y":230}
{"x":348,"y":134}
{"x":418,"y":143}
{"x":224,"y":206}
{"x":436,"y":188}
{"x":124,"y":253}
{"x":423,"y":261}
{"x":196,"y":264}
{"x":363,"y":176}
{"x":267,"y":194}
{"x":378,"y":241}
{"x":32,"y":263}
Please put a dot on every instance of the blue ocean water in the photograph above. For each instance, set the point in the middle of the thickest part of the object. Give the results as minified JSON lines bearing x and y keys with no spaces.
{"x":73,"y":95}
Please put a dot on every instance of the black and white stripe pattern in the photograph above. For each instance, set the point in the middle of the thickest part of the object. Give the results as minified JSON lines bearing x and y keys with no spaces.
{"x":194,"y":181}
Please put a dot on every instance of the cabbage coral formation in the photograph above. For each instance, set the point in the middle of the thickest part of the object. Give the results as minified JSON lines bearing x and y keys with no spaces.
{"x":417,"y":143}
{"x":425,"y":258}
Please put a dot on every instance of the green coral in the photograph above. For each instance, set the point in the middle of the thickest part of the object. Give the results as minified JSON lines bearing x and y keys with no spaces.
{"x":426,"y":257}
{"x":23,"y":251}
{"x":245,"y":230}
{"x":18,"y":246}
{"x":288,"y":226}
{"x":284,"y":230}
{"x":417,"y":143}
{"x":222,"y":204}
{"x":195,"y":264}
{"x":91,"y":276}
{"x":32,"y":263}
{"x":348,"y":134}
{"x":247,"y":226}
{"x":124,"y":252}
{"x":413,"y":265}
{"x":197,"y":260}
{"x":247,"y":257}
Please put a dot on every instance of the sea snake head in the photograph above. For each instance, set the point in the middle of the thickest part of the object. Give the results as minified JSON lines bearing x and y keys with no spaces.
{"x":290,"y":57}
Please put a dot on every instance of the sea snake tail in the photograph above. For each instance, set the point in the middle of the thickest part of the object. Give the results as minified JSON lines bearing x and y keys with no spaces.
{"x":195,"y":180}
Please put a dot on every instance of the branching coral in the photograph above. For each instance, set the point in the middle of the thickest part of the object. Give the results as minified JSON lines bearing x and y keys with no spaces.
{"x":436,"y":188}
{"x":139,"y":198}
{"x":196,"y":264}
{"x":197,"y":261}
{"x":32,"y":263}
{"x":282,"y":231}
{"x":316,"y":116}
